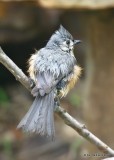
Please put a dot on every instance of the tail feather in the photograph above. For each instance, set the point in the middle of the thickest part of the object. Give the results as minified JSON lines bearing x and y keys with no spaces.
{"x":50,"y":118}
{"x":40,"y":117}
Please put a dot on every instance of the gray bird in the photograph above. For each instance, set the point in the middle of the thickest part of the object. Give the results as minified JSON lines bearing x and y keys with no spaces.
{"x":54,"y":71}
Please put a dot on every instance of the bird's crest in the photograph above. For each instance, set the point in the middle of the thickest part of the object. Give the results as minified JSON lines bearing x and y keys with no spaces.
{"x":62,"y":32}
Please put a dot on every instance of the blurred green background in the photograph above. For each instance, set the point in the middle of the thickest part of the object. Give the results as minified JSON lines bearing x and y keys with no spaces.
{"x":26,"y":26}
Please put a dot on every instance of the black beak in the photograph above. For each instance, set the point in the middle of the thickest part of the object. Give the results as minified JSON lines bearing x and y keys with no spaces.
{"x":77,"y":41}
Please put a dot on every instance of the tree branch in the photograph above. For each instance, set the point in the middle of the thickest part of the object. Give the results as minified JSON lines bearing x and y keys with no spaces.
{"x":70,"y":121}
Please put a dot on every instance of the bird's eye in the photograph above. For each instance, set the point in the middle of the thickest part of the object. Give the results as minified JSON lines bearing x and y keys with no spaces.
{"x":67,"y":42}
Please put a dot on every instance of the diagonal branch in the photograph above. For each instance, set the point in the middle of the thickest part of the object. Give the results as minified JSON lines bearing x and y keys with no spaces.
{"x":69,"y":120}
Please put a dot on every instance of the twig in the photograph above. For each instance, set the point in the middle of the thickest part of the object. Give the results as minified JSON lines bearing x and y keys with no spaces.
{"x":69,"y":120}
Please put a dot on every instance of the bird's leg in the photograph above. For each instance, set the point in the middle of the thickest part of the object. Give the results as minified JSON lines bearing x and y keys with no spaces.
{"x":57,"y":102}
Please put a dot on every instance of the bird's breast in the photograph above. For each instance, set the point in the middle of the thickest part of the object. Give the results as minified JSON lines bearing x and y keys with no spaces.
{"x":66,"y":63}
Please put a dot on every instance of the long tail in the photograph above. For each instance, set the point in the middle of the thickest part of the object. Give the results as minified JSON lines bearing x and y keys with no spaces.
{"x":40,"y":117}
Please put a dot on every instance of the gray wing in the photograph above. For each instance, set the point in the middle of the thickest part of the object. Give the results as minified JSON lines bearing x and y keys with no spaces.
{"x":45,"y":83}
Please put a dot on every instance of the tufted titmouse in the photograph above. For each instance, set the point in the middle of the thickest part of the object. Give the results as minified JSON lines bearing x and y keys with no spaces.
{"x":54,"y":71}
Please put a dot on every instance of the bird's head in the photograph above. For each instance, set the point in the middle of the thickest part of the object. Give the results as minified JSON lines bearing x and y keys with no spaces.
{"x":62,"y":39}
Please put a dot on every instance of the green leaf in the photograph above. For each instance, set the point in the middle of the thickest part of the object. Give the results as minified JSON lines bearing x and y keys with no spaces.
{"x":3,"y":96}
{"x":75,"y":99}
